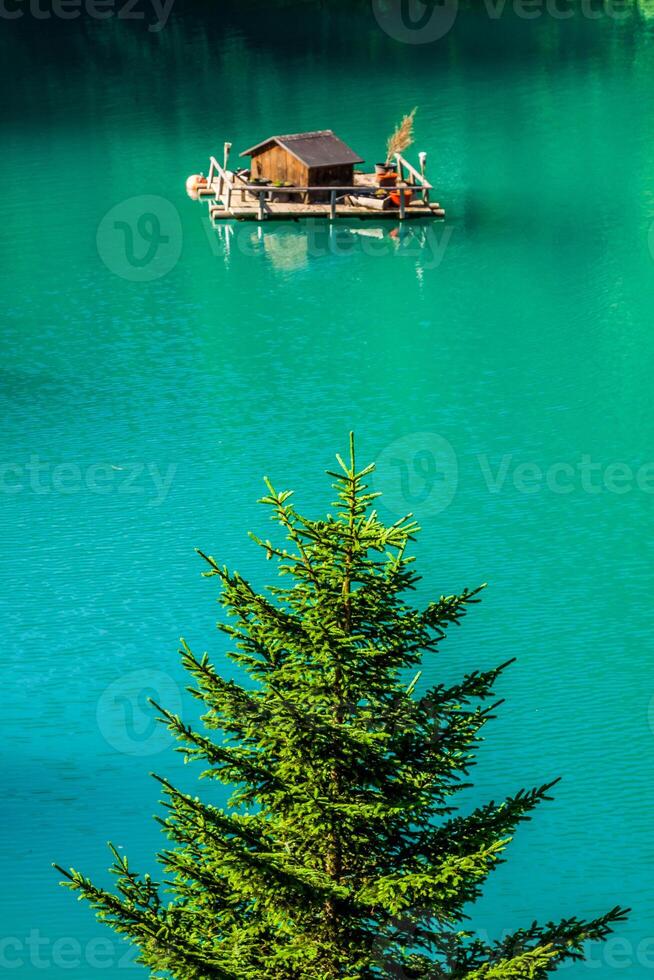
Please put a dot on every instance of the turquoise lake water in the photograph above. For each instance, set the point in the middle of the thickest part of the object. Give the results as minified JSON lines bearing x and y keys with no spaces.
{"x":498,"y":366}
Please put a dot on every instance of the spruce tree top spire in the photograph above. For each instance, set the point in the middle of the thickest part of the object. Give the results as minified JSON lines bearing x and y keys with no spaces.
{"x":341,"y":853}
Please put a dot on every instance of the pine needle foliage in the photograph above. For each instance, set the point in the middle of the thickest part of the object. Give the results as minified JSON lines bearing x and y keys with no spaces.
{"x":341,"y":853}
{"x":402,"y":136}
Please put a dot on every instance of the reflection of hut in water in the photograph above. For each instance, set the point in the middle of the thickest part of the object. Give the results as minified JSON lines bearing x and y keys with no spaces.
{"x":287,"y":251}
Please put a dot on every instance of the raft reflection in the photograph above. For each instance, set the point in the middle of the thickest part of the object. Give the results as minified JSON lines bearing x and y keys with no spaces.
{"x":290,"y":249}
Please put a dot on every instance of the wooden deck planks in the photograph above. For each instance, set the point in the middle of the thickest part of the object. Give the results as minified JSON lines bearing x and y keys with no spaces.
{"x":290,"y":212}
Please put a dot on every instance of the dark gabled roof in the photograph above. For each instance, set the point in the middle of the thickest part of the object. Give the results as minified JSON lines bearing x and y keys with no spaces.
{"x":319,"y":149}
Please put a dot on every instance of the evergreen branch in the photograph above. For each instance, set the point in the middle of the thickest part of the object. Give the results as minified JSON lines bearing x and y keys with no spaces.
{"x":450,"y":610}
{"x":251,"y":874}
{"x":228,"y":762}
{"x":253,"y":609}
{"x":526,"y":965}
{"x":287,"y":518}
{"x":231,"y":706}
{"x":204,"y":814}
{"x":149,"y":931}
{"x":566,"y":937}
{"x":213,"y":565}
{"x":444,"y":888}
{"x":459,"y":834}
{"x":475,"y":686}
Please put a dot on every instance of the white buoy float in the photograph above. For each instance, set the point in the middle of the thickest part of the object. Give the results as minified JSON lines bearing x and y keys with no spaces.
{"x":195,"y":183}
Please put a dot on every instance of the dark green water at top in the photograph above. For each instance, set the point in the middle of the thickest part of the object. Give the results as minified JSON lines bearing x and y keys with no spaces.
{"x":499,"y":366}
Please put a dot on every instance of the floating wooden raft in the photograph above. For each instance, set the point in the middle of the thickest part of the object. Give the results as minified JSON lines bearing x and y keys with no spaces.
{"x":231,"y":197}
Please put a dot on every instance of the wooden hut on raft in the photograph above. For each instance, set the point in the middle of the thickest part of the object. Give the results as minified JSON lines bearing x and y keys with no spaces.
{"x":318,"y":159}
{"x":312,"y":175}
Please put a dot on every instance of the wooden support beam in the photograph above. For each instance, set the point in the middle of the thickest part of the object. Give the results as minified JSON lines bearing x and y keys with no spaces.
{"x":332,"y":205}
{"x":422,"y":157}
{"x":344,"y":212}
{"x":226,"y":148}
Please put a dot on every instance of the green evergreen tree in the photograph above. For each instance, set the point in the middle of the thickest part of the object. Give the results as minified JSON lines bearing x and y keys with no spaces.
{"x":341,"y":854}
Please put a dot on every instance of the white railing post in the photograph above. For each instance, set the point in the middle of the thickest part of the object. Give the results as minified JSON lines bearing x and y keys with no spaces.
{"x":423,"y":162}
{"x":332,"y":205}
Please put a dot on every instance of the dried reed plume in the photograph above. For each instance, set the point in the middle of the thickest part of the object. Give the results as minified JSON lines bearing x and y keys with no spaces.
{"x":402,"y":138}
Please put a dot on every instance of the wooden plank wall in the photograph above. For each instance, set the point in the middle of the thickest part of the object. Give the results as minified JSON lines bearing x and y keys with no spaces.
{"x":336,"y":176}
{"x":276,"y":164}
